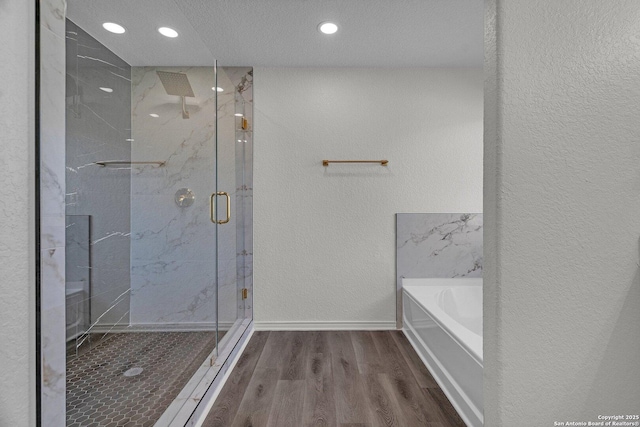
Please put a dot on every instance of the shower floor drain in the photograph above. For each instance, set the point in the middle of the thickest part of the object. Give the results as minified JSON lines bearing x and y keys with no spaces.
{"x":133,"y":372}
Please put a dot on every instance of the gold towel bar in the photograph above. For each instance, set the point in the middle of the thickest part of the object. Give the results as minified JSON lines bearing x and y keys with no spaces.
{"x":382,"y":162}
{"x":126,"y":162}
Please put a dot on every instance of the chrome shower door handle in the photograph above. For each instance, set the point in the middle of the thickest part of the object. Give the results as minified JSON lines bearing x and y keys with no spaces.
{"x":212,"y":208}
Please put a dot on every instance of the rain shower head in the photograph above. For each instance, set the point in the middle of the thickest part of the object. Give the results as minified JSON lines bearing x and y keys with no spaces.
{"x":177,"y":84}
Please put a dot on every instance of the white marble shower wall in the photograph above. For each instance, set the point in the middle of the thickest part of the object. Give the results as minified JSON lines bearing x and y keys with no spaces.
{"x":173,"y":248}
{"x":438,"y":245}
{"x":52,"y":211}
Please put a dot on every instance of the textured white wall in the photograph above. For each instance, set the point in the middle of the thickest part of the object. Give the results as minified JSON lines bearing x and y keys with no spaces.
{"x":17,"y":308}
{"x":325,"y":237}
{"x":562,"y":294}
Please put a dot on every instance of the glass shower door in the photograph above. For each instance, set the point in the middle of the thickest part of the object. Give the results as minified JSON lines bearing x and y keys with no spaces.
{"x":233,"y":203}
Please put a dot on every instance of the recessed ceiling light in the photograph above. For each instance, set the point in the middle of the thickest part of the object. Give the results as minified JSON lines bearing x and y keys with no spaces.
{"x":327,"y":27}
{"x":217,"y":89}
{"x":106,"y":89}
{"x":130,"y":139}
{"x":154,"y":115}
{"x":238,"y":114}
{"x":168,"y":32}
{"x":113,"y":27}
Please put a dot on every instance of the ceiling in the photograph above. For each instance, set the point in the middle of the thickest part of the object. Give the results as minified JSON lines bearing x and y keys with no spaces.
{"x":283,"y":33}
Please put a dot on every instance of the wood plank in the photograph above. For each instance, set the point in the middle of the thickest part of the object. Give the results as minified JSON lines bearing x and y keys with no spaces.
{"x":271,"y":356}
{"x":366,"y":353}
{"x":227,"y":403}
{"x":294,"y":358}
{"x":288,"y":403}
{"x":350,"y":399}
{"x":407,"y":417}
{"x":448,"y":412}
{"x":420,"y":371}
{"x":339,"y":379}
{"x":403,"y":384}
{"x":255,"y":407}
{"x":384,"y":408}
{"x":319,"y":404}
{"x":319,"y":342}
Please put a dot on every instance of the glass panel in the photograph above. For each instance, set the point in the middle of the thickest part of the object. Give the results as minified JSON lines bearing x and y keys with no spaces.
{"x":98,"y":202}
{"x":234,"y":161}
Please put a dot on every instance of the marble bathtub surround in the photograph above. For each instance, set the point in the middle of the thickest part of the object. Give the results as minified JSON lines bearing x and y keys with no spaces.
{"x":431,"y":245}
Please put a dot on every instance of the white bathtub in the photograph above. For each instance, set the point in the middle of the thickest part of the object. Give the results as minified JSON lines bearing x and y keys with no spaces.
{"x":443,"y":321}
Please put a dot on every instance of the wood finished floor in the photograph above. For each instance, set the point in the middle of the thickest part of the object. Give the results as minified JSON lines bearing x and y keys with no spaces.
{"x":331,"y":379}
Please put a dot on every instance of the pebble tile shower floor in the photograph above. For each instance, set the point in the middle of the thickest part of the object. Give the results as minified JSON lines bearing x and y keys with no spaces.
{"x":100,"y":395}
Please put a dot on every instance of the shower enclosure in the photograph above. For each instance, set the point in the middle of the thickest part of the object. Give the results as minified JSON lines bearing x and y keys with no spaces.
{"x":158,"y":228}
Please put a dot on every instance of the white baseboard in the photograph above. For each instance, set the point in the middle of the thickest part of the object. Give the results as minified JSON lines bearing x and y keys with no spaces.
{"x":324,"y":326}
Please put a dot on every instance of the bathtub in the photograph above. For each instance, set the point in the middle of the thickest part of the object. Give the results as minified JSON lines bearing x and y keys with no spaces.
{"x":443,"y":322}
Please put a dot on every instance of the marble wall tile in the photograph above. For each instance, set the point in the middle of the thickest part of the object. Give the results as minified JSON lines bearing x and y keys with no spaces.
{"x":52,"y":118}
{"x":52,"y":210}
{"x":52,"y":16}
{"x":439,"y":245}
{"x":53,"y":390}
{"x":172,"y":292}
{"x":163,"y":230}
{"x":52,"y":232}
{"x":52,"y":263}
{"x":173,"y":252}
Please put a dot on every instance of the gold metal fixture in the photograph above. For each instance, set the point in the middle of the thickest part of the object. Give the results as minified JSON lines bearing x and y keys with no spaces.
{"x":212,"y":208}
{"x":104,"y":163}
{"x":244,"y":123}
{"x":245,"y":293}
{"x":382,"y":162}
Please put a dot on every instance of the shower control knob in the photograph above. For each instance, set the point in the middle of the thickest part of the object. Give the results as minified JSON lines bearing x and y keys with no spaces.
{"x":185,"y":197}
